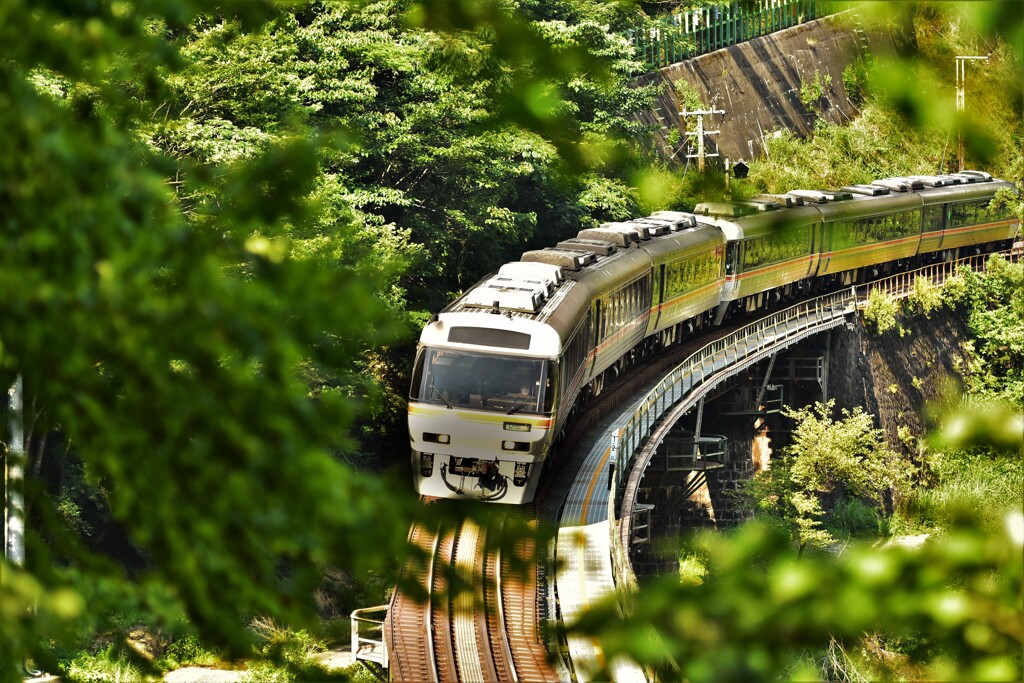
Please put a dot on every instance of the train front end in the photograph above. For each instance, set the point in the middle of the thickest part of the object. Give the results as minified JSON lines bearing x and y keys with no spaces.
{"x":481,"y":406}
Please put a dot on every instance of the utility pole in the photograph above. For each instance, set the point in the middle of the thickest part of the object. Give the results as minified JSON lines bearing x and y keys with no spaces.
{"x":961,"y":76}
{"x":701,"y":155}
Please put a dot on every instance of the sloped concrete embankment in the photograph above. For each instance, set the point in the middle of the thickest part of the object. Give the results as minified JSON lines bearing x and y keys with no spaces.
{"x":768,"y":84}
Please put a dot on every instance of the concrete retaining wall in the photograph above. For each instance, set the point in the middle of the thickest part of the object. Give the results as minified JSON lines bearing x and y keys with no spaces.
{"x":758,"y":83}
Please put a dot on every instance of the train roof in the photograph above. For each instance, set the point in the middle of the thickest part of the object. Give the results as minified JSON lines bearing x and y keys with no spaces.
{"x":979,"y":189}
{"x":756,"y":222}
{"x":546,"y":294}
{"x":686,"y":243}
{"x":482,"y":332}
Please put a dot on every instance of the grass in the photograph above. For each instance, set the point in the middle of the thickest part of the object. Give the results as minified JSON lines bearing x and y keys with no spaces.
{"x":853,"y":518}
{"x":990,"y":486}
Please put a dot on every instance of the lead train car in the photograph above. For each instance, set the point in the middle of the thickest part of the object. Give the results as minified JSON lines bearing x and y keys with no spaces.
{"x":500,"y":370}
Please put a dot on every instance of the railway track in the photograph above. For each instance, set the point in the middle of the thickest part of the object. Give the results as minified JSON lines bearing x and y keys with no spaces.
{"x":469,"y":608}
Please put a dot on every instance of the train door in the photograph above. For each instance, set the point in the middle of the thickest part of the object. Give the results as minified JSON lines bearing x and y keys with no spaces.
{"x":812,"y":262}
{"x":596,"y":321}
{"x":657,"y":295}
{"x":942,"y":216}
{"x":825,"y":245}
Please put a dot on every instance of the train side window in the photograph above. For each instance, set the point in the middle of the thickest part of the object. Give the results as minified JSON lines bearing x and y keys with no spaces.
{"x":981,"y":214}
{"x":914,"y":221}
{"x":972,"y":213}
{"x":730,"y":257}
{"x":957,"y":215}
{"x":932,"y":218}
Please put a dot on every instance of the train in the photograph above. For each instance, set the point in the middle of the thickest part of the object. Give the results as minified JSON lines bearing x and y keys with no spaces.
{"x":500,"y":371}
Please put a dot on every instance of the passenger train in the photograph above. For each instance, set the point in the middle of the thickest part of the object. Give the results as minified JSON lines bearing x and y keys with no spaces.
{"x":500,"y":370}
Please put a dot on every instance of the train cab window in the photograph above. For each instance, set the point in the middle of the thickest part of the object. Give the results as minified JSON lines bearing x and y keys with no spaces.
{"x":417,"y":376}
{"x":462,"y":379}
{"x":550,"y":386}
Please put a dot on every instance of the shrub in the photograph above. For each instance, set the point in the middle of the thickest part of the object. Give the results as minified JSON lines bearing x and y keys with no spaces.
{"x":925,"y":297}
{"x":851,"y":517}
{"x":881,"y":311}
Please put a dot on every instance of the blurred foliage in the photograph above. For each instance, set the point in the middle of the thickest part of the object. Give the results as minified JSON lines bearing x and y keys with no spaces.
{"x":763,"y":613}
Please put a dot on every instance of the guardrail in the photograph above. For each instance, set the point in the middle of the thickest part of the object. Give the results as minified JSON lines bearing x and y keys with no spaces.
{"x":634,"y":444}
{"x":368,"y":643}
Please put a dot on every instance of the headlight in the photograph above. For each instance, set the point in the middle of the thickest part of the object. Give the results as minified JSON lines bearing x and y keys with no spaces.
{"x":436,"y":438}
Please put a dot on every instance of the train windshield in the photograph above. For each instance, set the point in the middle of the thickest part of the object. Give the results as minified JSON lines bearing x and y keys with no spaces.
{"x":461,"y":379}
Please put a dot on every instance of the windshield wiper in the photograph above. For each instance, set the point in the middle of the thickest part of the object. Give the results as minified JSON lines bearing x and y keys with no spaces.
{"x":517,"y":407}
{"x":443,"y":399}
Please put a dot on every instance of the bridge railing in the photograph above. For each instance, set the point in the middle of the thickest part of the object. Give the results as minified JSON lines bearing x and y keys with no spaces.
{"x":706,"y":29}
{"x":368,"y":644}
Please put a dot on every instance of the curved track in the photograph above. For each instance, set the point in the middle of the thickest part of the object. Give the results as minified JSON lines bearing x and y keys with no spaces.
{"x":468,"y":611}
{"x":488,"y":627}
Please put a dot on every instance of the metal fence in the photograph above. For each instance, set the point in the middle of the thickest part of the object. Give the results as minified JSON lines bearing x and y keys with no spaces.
{"x":699,"y":31}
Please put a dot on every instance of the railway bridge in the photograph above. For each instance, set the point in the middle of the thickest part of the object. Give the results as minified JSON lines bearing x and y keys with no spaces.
{"x":604,"y":510}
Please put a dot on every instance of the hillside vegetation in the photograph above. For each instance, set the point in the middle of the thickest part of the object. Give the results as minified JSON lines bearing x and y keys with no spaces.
{"x":908,"y":121}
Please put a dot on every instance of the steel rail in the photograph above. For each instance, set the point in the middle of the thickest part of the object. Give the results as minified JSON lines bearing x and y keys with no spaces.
{"x":446,"y":664}
{"x":427,"y":621}
{"x":503,"y":630}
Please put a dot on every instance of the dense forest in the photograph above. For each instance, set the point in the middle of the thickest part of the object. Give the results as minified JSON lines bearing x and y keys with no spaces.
{"x":223,"y":229}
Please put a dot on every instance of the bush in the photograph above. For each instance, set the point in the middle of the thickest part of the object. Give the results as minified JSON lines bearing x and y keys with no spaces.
{"x":881,"y":312}
{"x":106,"y":666}
{"x":987,"y":485}
{"x":852,"y":518}
{"x":925,"y":297}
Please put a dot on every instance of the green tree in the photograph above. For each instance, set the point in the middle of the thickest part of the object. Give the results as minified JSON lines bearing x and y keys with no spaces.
{"x":828,"y":461}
